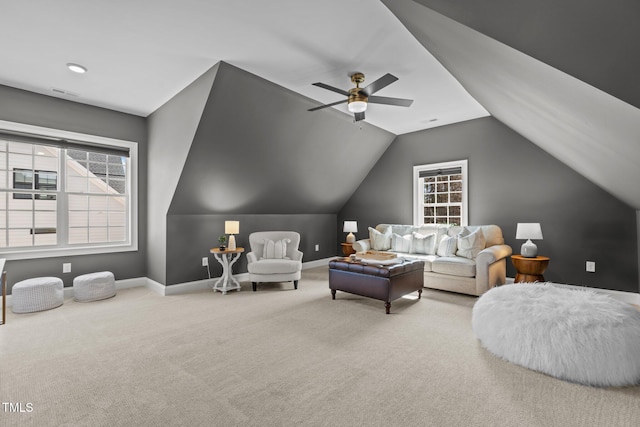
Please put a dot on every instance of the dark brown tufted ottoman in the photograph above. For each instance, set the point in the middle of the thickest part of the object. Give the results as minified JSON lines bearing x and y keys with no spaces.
{"x":382,"y":282}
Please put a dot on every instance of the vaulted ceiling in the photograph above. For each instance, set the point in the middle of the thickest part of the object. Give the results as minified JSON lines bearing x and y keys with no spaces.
{"x":585,"y":127}
{"x":563,"y":74}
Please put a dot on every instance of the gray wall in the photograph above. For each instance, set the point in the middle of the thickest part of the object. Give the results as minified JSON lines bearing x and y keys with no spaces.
{"x":260,"y":156}
{"x":171,"y":131}
{"x":511,"y":180}
{"x":34,"y":109}
{"x":195,"y":235}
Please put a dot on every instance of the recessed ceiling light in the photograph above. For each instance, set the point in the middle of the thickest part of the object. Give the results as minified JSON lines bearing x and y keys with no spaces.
{"x":76,"y":68}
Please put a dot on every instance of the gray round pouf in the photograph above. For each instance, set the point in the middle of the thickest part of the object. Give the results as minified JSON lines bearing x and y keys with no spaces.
{"x":581,"y":336}
{"x":37,"y":294}
{"x":94,"y":286}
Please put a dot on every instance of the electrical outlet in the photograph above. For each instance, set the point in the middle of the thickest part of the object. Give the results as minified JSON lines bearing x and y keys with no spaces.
{"x":205,"y":261}
{"x":317,"y":248}
{"x":591,"y":266}
{"x":66,"y":267}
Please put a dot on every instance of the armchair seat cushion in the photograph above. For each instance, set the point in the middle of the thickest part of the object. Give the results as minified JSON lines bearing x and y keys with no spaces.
{"x":274,"y":266}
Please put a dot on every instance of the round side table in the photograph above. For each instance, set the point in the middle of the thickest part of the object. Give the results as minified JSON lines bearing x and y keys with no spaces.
{"x":529,"y":269}
{"x":226,"y":258}
{"x":347,"y":249}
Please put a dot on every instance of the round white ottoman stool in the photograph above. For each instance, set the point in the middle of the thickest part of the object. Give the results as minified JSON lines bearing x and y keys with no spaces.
{"x":581,"y":336}
{"x":94,"y":286}
{"x":37,"y":294}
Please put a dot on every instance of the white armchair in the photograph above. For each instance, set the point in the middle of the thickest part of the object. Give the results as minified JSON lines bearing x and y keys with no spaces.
{"x":274,"y":257}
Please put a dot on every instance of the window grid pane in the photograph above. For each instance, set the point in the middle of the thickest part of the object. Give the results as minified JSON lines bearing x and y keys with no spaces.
{"x":442,"y":199}
{"x":96,"y":199}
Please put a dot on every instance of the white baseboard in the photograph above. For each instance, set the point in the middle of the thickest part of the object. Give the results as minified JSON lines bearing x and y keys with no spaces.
{"x":120,"y":284}
{"x":204,"y":284}
{"x":180,"y":288}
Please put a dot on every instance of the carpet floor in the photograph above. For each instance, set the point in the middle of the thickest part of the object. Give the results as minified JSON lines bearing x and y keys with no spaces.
{"x":278,"y":357}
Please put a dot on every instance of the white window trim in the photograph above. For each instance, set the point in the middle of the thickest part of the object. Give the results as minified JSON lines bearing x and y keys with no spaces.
{"x":417,"y":190}
{"x":83,"y":250}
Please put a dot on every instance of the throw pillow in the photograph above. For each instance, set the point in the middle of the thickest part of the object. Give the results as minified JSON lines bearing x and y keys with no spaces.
{"x":401,"y":243}
{"x":424,"y":244}
{"x":448,"y":246}
{"x":380,"y":241}
{"x":470,"y":243}
{"x":275,"y":250}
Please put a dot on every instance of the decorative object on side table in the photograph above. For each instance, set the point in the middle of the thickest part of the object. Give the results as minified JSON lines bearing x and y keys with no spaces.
{"x":528,"y":231}
{"x":350,"y":227}
{"x":221,"y":243}
{"x":231,"y":228}
{"x":529,"y":269}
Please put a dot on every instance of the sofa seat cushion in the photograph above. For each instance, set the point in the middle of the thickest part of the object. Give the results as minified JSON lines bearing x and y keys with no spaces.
{"x":421,"y":257}
{"x":274,"y":266}
{"x":454,"y":266}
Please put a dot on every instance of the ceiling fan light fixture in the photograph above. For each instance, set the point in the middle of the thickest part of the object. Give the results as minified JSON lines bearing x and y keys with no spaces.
{"x":76,"y":68}
{"x":357,"y":106}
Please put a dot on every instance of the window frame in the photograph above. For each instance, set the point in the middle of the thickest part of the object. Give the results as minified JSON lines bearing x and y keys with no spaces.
{"x":418,"y":192}
{"x":130,"y":245}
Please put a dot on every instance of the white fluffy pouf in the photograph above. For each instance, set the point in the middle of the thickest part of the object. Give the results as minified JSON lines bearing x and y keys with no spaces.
{"x":577,"y":335}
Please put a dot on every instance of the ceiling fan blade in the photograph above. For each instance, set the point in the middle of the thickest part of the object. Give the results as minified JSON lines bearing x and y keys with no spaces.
{"x":327,"y":105}
{"x":400,"y":102}
{"x":331,"y":88}
{"x":358,"y":116}
{"x":381,"y":83}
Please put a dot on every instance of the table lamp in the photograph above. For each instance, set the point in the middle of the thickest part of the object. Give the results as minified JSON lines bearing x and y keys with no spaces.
{"x":529,"y":230}
{"x":350,"y":227}
{"x":231,"y":228}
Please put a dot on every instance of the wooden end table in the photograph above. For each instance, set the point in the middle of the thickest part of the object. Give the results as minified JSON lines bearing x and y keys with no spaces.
{"x":529,"y":269}
{"x":226,"y":258}
{"x":347,"y":249}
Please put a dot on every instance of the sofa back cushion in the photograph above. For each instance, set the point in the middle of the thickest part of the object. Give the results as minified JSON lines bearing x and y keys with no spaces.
{"x":401,"y":243}
{"x":492,"y":233}
{"x":470,"y":243}
{"x":424,"y":243}
{"x":380,"y":238}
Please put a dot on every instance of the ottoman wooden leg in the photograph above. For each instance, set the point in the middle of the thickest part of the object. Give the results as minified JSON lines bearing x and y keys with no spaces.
{"x":387,"y":306}
{"x":419,"y":293}
{"x":333,"y":294}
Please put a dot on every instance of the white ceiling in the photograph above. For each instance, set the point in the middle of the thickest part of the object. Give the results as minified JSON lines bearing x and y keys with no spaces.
{"x":140,"y":54}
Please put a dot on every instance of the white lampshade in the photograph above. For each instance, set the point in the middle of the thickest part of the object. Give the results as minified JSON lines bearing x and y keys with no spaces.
{"x":350,"y":227}
{"x":528,"y":230}
{"x":357,"y":106}
{"x":232,"y":227}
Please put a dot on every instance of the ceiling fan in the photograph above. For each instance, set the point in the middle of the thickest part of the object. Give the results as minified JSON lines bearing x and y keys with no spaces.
{"x":358,"y":97}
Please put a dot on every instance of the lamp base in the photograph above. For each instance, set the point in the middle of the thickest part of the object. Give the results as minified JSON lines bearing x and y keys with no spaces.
{"x":529,"y":249}
{"x":351,"y":238}
{"x":232,"y":243}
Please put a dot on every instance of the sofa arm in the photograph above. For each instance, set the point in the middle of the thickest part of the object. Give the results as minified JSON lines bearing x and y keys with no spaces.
{"x":251,"y":257}
{"x":493,"y":253}
{"x":362,"y":245}
{"x":491,"y":267}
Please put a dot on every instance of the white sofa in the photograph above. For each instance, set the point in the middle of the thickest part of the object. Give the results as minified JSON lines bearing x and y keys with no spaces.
{"x":465,"y":259}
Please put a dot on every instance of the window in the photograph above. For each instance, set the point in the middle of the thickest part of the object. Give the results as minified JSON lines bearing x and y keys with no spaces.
{"x":440,"y":193}
{"x":62,"y":196}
